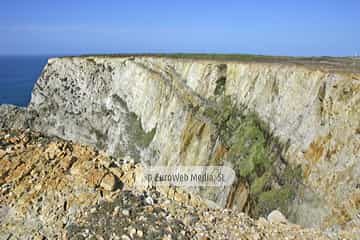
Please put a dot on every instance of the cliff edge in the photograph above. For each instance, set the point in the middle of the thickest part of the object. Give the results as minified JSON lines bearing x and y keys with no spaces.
{"x":290,"y":130}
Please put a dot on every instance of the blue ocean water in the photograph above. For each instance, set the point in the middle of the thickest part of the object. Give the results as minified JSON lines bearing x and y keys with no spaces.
{"x":18,"y":75}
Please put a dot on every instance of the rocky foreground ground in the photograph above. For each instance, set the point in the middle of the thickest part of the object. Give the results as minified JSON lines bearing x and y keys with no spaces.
{"x":54,"y":189}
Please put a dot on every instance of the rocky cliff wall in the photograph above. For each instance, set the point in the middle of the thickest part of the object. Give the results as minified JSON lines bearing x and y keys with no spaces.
{"x":264,"y":119}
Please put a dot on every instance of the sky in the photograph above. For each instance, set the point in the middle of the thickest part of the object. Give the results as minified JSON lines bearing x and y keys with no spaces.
{"x":278,"y":27}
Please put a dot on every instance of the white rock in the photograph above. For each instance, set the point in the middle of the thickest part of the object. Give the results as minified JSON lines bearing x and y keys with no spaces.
{"x":139,"y":233}
{"x":277,"y":217}
{"x":132,"y":232}
{"x":149,"y":200}
{"x":125,"y":212}
{"x":125,"y":237}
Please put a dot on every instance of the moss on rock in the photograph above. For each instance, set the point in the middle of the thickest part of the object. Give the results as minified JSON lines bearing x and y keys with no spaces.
{"x":253,"y":152}
{"x":259,"y":184}
{"x":274,"y":199}
{"x":142,"y":138}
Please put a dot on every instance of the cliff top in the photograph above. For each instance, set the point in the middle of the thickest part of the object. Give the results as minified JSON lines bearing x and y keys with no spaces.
{"x":341,"y":64}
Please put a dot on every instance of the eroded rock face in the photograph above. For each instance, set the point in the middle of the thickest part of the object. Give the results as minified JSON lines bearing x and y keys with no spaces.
{"x":172,"y":112}
{"x":54,"y":189}
{"x":16,"y":117}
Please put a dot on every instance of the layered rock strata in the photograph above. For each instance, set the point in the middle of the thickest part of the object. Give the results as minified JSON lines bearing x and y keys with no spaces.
{"x":290,"y":131}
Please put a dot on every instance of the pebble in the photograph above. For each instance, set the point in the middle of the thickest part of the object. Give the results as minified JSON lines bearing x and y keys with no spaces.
{"x":277,"y":217}
{"x":149,"y":200}
{"x":139,"y":233}
{"x":132,"y":232}
{"x":125,"y":237}
{"x":116,"y":211}
{"x":167,"y":237}
{"x":189,"y":219}
{"x":125,"y":212}
{"x":99,"y":237}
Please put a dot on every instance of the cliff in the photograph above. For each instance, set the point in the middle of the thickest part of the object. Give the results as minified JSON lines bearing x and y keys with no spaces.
{"x":56,"y":189}
{"x":291,"y":130}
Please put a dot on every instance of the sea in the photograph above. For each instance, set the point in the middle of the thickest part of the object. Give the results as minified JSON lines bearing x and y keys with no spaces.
{"x":18,"y":75}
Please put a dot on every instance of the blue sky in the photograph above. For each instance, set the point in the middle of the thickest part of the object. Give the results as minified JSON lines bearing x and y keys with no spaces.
{"x":300,"y":28}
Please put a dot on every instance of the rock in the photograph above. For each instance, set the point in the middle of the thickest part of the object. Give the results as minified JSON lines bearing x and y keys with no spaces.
{"x":125,"y":212}
{"x":277,"y":217}
{"x":2,"y":153}
{"x":116,"y":211}
{"x":109,"y":182}
{"x":167,"y":237}
{"x":181,"y":197}
{"x":132,"y":232}
{"x":115,"y":237}
{"x":106,"y":162}
{"x":25,"y":138}
{"x":4,"y":211}
{"x":128,"y":178}
{"x":125,"y":237}
{"x":129,"y":160}
{"x":149,"y":200}
{"x":47,"y":192}
{"x":165,"y":111}
{"x":99,"y":237}
{"x":262,"y":221}
{"x":140,"y":233}
{"x":190,"y":219}
{"x":117,"y":172}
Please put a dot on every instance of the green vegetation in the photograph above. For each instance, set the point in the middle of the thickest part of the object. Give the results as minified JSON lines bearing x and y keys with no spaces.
{"x":138,"y":134}
{"x":118,"y":100}
{"x":332,"y":63}
{"x":220,"y":86}
{"x":251,"y":150}
{"x":223,"y":57}
{"x":138,"y":137}
{"x":274,"y":199}
{"x":259,"y":184}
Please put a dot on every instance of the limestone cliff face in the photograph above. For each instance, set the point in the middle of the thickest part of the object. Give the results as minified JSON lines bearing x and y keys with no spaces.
{"x":176,"y":112}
